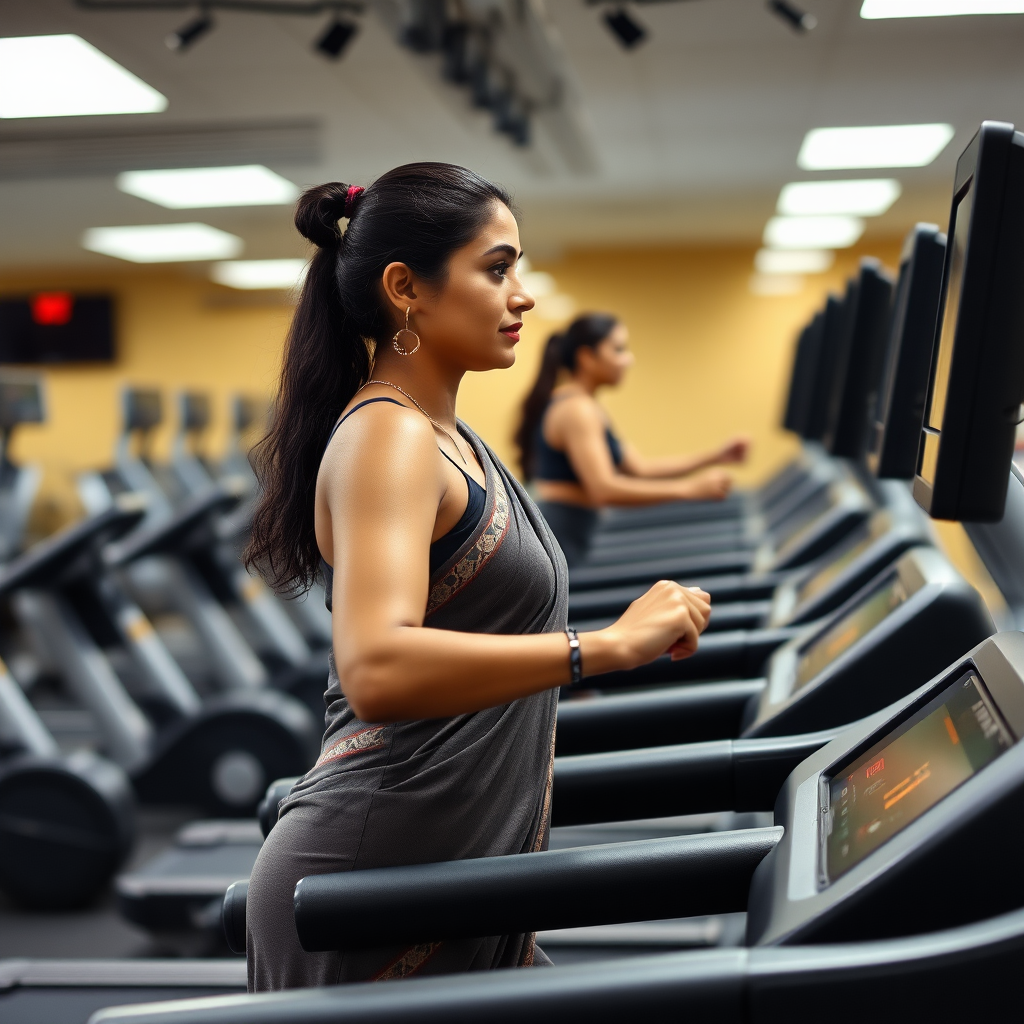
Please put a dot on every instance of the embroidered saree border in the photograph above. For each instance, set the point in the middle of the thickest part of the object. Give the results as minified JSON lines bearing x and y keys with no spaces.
{"x":354,"y":743}
{"x":463,"y":571}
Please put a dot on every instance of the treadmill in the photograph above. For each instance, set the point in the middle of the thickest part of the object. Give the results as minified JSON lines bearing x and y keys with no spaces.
{"x":797,"y":596}
{"x":802,"y":893}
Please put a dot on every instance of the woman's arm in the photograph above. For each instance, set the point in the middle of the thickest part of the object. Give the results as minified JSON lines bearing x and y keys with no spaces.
{"x":580,"y":429}
{"x":733,"y":451}
{"x":380,"y":486}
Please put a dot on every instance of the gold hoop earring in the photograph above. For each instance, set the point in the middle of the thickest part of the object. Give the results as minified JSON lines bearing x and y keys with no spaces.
{"x":405,"y":330}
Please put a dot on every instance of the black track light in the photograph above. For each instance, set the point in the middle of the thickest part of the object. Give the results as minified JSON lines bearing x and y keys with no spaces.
{"x":190,"y":33}
{"x":336,"y":38}
{"x":628,"y":32}
{"x":798,"y":21}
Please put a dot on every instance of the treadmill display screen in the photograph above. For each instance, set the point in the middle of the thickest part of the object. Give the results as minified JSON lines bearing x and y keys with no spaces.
{"x":858,"y":542}
{"x":944,"y":358}
{"x":855,"y":624}
{"x":921,"y":761}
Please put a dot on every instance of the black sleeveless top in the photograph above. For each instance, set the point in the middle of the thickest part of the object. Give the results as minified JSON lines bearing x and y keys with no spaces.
{"x":552,"y":464}
{"x":444,"y":547}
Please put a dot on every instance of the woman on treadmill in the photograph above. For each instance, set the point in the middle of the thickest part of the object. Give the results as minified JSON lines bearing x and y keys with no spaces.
{"x":448,"y":591}
{"x":567,"y":446}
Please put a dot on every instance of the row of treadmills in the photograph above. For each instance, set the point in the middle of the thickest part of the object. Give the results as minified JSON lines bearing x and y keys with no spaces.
{"x":850,"y":681}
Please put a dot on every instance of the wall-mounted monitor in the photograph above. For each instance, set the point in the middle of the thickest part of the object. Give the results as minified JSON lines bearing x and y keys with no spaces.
{"x":977,"y":370}
{"x":801,"y":381}
{"x":831,"y":332}
{"x":859,"y":362}
{"x":899,"y":411}
{"x":57,"y":327}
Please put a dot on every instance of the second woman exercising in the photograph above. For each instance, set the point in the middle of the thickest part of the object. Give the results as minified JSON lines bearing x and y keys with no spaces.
{"x":578,"y":464}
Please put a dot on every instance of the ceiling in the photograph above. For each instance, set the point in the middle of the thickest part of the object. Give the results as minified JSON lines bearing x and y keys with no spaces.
{"x":692,"y":133}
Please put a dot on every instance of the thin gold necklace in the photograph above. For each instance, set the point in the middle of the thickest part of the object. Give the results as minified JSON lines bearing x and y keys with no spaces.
{"x":437,"y":425}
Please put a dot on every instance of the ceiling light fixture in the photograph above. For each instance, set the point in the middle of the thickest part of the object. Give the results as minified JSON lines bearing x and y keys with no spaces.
{"x":768,"y":285}
{"x":812,"y":232}
{"x":253,"y":275}
{"x":875,"y":9}
{"x":64,"y":76}
{"x":629,"y":33}
{"x":798,"y":20}
{"x":163,"y":243}
{"x":190,"y":33}
{"x":793,"y":261}
{"x":867,"y":198}
{"x":338,"y":34}
{"x":194,"y":188}
{"x":890,"y":145}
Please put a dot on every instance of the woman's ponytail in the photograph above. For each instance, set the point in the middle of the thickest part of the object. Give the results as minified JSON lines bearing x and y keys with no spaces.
{"x":588,"y":330}
{"x":536,"y":402}
{"x":419,"y":215}
{"x":325,"y":363}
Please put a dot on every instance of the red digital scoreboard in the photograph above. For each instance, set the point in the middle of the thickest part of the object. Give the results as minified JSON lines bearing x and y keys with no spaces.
{"x":56,"y":327}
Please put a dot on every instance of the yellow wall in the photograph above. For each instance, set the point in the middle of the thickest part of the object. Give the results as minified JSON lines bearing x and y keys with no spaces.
{"x":712,"y":358}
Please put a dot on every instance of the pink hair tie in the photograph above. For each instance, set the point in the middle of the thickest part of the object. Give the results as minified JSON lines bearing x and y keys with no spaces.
{"x":353,"y":191}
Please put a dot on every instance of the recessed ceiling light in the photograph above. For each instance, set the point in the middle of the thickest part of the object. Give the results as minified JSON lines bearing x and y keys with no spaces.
{"x":793,"y":261}
{"x":937,"y":8}
{"x":64,"y":76}
{"x":775,"y":284}
{"x":812,"y":232}
{"x":255,"y":274}
{"x":193,"y":188}
{"x":163,"y":243}
{"x":890,"y":145}
{"x":867,"y":198}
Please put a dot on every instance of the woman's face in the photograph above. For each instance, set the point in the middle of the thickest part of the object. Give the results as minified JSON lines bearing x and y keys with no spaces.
{"x":472,"y":320}
{"x":609,"y":361}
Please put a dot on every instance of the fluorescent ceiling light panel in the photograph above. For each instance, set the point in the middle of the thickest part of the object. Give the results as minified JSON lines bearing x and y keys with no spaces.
{"x":256,"y":274}
{"x":812,"y":232}
{"x":890,"y":145}
{"x":775,"y":284}
{"x":64,"y":76}
{"x":867,"y":198}
{"x":793,"y":261}
{"x":195,"y":188}
{"x":873,"y":9}
{"x":163,"y":243}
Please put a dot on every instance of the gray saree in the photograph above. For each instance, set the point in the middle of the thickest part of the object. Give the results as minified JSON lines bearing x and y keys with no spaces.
{"x":476,"y":785}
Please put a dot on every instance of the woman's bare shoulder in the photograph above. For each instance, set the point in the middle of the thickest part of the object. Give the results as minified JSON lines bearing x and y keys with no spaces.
{"x":381,"y":441}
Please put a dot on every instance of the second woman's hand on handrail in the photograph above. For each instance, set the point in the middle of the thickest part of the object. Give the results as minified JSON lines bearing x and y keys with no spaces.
{"x":669,"y":618}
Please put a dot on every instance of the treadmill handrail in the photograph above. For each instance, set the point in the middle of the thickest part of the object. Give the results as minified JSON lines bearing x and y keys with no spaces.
{"x":689,"y":778}
{"x":923,"y":977}
{"x":657,"y":878}
{"x":56,"y":554}
{"x":171,"y":533}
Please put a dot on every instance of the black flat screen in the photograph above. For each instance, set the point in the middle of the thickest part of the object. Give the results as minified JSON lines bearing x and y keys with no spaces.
{"x":921,"y":761}
{"x":947,"y":336}
{"x":56,"y":327}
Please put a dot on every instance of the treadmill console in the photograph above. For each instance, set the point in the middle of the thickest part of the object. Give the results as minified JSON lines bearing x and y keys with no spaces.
{"x":848,"y":552}
{"x":871,"y":610}
{"x":143,"y":408}
{"x":885,"y":824}
{"x":920,"y":761}
{"x":21,"y":400}
{"x":895,"y":632}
